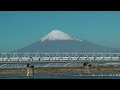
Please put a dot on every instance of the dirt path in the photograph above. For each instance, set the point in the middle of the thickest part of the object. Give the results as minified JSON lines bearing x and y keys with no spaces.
{"x":61,"y":69}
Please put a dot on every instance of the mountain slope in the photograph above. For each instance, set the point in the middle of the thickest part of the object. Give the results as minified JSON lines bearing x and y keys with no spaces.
{"x":57,"y":41}
{"x":66,"y":46}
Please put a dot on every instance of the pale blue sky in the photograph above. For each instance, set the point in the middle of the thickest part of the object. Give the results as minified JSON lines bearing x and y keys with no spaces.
{"x":21,"y":28}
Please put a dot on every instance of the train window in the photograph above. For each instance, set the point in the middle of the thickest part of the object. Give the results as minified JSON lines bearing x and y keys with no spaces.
{"x":98,"y":55}
{"x":107,"y":55}
{"x":114,"y":55}
{"x":90,"y":55}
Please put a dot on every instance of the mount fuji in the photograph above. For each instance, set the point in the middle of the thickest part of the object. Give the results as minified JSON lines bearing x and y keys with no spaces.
{"x":58,"y":41}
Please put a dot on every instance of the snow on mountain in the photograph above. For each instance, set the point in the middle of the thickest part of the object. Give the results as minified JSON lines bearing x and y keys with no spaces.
{"x":57,"y":35}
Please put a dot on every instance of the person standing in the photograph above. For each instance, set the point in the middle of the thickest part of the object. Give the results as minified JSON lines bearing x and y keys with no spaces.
{"x":30,"y":70}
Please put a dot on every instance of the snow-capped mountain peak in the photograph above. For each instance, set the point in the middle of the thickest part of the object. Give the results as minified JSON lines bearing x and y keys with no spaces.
{"x":57,"y":35}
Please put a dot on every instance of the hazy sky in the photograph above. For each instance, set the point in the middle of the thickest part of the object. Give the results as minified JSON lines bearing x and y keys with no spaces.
{"x":21,"y":28}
